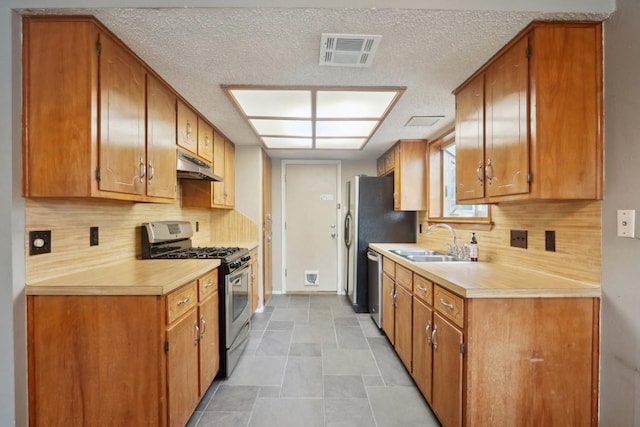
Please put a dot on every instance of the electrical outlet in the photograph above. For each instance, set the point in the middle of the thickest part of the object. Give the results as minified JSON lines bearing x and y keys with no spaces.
{"x":519,"y":239}
{"x":550,"y":240}
{"x":94,"y":236}
{"x":39,"y":242}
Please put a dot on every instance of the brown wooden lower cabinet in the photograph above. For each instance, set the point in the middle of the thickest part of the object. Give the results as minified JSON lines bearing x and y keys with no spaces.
{"x":447,"y":383}
{"x":388,"y":306}
{"x":403,"y":335}
{"x":500,"y":361}
{"x":120,"y":359}
{"x":254,"y":282}
{"x":422,"y":355}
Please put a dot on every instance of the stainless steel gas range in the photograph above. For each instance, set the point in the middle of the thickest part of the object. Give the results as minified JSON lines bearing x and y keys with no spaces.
{"x":172,"y":240}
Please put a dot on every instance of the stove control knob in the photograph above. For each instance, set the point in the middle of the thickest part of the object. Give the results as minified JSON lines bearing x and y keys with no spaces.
{"x":246,"y":258}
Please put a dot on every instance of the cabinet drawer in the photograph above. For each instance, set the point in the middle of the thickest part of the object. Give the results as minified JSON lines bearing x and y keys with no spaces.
{"x":404,"y":277}
{"x":389,"y":267}
{"x":181,"y":301}
{"x":423,"y":289}
{"x":449,"y":304}
{"x":207,"y":285}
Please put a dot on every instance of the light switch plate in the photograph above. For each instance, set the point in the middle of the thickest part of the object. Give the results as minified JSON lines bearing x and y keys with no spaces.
{"x":626,"y":223}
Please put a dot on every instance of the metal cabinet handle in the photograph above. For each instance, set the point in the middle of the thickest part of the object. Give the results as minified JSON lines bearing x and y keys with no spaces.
{"x":203,"y":326}
{"x":480,"y":174}
{"x":206,"y":141}
{"x":197,"y":332}
{"x":208,"y":284}
{"x":152,"y":171}
{"x":422,"y":289}
{"x":426,"y":331}
{"x":395,"y":298}
{"x":488,"y":171}
{"x":446,"y":304}
{"x":433,"y":337}
{"x":188,"y":129}
{"x":143,"y":169}
{"x":184,"y":300}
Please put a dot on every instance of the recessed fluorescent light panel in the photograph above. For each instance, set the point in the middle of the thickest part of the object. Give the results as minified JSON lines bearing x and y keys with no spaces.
{"x":314,"y":117}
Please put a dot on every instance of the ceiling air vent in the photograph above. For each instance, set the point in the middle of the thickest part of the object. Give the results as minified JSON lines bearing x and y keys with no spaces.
{"x":348,"y":50}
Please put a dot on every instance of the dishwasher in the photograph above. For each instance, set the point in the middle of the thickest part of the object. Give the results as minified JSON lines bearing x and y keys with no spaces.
{"x":374,"y":282}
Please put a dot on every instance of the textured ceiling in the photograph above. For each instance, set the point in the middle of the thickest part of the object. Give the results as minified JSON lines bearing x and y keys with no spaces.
{"x":429,"y":51}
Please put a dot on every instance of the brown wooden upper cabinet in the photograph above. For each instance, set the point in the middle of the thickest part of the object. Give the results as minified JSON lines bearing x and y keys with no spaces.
{"x":187,"y":128}
{"x":407,"y":161}
{"x":85,"y":128}
{"x":194,"y":133}
{"x":529,"y":122}
{"x":202,"y":194}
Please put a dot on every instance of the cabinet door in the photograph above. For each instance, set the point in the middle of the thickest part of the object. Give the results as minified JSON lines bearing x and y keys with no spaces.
{"x":187,"y":128}
{"x":182,"y":369}
{"x":161,"y":140}
{"x":122,"y":120}
{"x":403,"y":324}
{"x":205,"y":140}
{"x":254,"y":283}
{"x":507,"y":142}
{"x":380,"y":165}
{"x":447,"y":372}
{"x":267,"y":281}
{"x":470,"y":141}
{"x":209,"y":344}
{"x":218,"y":169}
{"x":229,"y":173}
{"x":409,"y":175}
{"x":397,"y":177}
{"x":388,"y":307}
{"x":422,"y":354}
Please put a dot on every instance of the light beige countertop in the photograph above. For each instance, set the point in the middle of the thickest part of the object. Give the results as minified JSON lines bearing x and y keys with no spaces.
{"x":135,"y":277}
{"x":487,"y":280}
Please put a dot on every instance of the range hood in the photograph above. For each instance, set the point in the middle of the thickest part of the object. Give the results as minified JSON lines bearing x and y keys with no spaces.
{"x":191,"y":168}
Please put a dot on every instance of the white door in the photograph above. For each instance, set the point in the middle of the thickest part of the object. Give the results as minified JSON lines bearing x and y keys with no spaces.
{"x":311,"y":227}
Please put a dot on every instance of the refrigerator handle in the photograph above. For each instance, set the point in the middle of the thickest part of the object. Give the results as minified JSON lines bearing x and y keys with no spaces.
{"x":347,"y":230}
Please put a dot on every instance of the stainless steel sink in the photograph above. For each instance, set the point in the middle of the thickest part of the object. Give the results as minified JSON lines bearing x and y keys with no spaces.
{"x":425,"y":255}
{"x":415,"y":252}
{"x":432,"y":258}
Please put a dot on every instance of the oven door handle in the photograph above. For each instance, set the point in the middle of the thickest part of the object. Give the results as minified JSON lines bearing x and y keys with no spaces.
{"x":237,"y":281}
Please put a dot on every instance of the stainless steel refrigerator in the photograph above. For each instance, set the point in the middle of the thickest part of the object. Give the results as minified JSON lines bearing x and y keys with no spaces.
{"x":370,"y":218}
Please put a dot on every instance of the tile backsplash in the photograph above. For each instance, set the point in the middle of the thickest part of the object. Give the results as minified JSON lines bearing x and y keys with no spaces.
{"x":119,"y":222}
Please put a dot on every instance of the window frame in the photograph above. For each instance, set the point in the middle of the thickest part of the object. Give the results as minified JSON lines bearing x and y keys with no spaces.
{"x":435,"y":179}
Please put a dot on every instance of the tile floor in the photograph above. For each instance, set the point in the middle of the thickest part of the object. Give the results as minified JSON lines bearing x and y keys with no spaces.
{"x":311,"y":361}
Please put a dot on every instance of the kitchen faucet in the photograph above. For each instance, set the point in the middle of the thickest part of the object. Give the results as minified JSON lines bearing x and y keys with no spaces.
{"x":452,"y":249}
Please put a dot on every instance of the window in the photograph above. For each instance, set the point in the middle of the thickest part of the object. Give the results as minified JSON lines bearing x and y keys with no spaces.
{"x":442,"y":187}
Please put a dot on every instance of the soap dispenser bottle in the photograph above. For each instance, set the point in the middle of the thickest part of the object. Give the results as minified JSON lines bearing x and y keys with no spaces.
{"x":473,"y":248}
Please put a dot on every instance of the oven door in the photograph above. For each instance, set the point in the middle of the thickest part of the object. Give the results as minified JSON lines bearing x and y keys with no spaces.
{"x":237,"y":302}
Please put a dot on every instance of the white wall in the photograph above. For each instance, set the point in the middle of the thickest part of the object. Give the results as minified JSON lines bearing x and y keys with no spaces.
{"x":248,"y":164}
{"x":620,"y":342}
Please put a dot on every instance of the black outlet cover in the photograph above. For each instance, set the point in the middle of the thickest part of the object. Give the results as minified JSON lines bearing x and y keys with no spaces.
{"x":550,"y":240}
{"x":39,"y":242}
{"x":519,"y":239}
{"x":94,"y":236}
